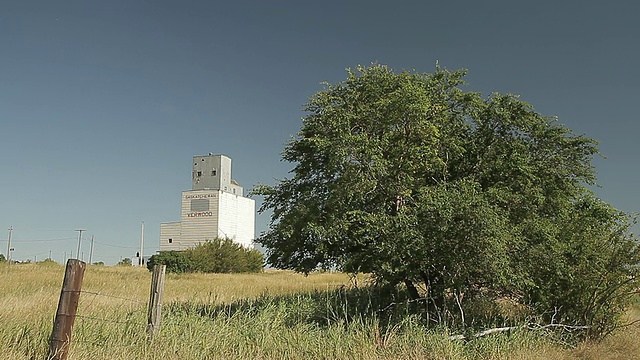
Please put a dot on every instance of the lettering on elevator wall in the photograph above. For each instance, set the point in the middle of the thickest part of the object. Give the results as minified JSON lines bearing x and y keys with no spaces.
{"x":200,"y":214}
{"x":199,"y":196}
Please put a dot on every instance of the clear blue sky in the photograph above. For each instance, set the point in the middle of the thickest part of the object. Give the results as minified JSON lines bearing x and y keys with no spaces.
{"x":103,"y":103}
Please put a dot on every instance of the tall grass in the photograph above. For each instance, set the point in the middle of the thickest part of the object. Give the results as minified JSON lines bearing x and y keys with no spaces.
{"x":272,"y":315}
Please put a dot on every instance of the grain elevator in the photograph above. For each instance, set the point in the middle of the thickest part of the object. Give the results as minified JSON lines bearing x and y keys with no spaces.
{"x":215,"y":207}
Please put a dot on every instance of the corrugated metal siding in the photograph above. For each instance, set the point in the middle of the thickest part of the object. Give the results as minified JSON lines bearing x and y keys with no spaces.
{"x":170,"y":231}
{"x":199,"y":226}
{"x":228,"y":221}
{"x":237,"y":219}
{"x":247,"y":221}
{"x":228,"y":215}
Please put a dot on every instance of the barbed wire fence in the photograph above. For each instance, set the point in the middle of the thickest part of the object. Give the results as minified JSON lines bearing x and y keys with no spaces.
{"x":67,"y":311}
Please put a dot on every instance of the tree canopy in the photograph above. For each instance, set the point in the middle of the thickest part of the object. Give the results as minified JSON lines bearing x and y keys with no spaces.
{"x":410,"y":178}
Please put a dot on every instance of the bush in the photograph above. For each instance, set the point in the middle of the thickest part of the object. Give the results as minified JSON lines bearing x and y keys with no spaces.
{"x":214,"y":256}
{"x":176,"y":261}
{"x":124,"y":262}
{"x":587,"y":274}
{"x":47,"y":261}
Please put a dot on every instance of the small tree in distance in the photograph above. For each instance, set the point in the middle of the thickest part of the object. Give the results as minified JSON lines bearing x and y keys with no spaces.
{"x":47,"y":261}
{"x":124,"y":262}
{"x":410,"y":178}
{"x":177,"y":262}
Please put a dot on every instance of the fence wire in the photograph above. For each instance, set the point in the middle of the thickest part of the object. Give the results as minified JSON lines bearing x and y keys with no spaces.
{"x":112,"y":296}
{"x":123,"y":308}
{"x":103,"y":316}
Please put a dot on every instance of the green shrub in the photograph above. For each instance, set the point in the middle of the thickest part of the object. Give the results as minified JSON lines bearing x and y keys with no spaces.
{"x":124,"y":262}
{"x":47,"y":261}
{"x":176,"y":261}
{"x":214,"y":256}
{"x":587,"y":273}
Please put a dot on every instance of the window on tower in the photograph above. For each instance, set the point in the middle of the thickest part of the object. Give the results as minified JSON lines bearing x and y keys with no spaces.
{"x":200,"y":205}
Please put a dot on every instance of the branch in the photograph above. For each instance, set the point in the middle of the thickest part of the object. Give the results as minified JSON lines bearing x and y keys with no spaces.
{"x":483,"y":333}
{"x":509,"y":328}
{"x":402,"y":302}
{"x":628,"y":324}
{"x":563,"y":326}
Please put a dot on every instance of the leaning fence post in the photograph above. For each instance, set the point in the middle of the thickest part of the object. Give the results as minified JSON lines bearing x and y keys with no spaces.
{"x":66,"y":313}
{"x":155,"y":300}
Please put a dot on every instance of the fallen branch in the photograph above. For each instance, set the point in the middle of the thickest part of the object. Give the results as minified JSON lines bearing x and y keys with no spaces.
{"x":484,"y":333}
{"x":509,"y":328}
{"x":566,"y":327}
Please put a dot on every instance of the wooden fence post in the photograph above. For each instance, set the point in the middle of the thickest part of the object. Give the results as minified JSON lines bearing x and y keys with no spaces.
{"x":155,"y":300}
{"x":66,"y":313}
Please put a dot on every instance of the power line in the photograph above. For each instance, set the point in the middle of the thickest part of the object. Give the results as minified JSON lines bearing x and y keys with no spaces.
{"x":116,"y":246}
{"x":41,"y":240}
{"x":50,"y":230}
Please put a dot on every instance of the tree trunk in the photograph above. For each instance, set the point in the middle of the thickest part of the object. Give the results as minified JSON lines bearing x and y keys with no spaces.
{"x":413,"y":292}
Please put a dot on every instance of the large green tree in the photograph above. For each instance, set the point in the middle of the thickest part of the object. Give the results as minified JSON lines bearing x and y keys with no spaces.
{"x":408,"y":177}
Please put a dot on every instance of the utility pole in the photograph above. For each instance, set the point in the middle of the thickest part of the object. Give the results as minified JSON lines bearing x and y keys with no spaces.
{"x":140,"y":258}
{"x":79,"y":239}
{"x":9,"y":245}
{"x":91,"y":251}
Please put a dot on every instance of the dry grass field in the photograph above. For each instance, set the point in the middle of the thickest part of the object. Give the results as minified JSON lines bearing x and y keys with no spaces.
{"x":272,"y":315}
